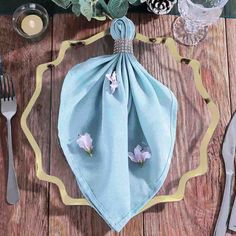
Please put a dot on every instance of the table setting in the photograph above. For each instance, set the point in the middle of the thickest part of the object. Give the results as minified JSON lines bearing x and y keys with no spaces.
{"x":118,"y":121}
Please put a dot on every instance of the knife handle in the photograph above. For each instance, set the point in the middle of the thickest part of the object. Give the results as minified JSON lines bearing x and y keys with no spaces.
{"x":221,"y":224}
{"x":232,"y":222}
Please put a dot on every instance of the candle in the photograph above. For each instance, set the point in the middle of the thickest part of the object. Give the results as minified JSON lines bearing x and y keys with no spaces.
{"x":32,"y":25}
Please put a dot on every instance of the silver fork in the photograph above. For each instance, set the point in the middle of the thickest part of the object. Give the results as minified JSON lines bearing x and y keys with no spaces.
{"x":8,"y":109}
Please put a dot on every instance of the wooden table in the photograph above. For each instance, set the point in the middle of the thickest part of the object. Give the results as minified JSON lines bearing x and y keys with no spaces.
{"x":40,"y":210}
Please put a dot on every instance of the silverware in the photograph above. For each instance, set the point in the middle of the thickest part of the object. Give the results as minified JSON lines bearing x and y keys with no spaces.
{"x":228,"y":152}
{"x":8,"y":109}
{"x":232,"y":222}
{"x":1,"y":66}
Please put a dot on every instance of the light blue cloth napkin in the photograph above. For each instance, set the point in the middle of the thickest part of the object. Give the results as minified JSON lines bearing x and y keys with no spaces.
{"x":140,"y":111}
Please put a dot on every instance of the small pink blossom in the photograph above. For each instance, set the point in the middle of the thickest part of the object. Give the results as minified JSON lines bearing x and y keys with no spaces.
{"x":140,"y":155}
{"x":114,"y":83}
{"x":85,"y":142}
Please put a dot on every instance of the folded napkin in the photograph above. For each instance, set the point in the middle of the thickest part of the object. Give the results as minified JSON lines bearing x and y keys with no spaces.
{"x":117,"y":129}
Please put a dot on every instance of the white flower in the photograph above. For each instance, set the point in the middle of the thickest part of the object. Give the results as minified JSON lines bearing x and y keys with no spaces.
{"x":140,"y":155}
{"x":114,"y":83}
{"x":85,"y":142}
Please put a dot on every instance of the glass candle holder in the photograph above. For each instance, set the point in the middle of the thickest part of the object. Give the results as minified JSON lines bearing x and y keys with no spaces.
{"x":31,"y":21}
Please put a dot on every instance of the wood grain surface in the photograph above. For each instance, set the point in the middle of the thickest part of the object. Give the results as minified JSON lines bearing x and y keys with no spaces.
{"x":30,"y":215}
{"x":40,"y":210}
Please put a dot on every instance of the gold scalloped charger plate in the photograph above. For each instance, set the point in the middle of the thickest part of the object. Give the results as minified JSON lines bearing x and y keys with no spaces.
{"x":171,"y":46}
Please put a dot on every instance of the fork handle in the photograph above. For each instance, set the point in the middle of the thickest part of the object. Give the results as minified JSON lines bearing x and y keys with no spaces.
{"x":13,"y":193}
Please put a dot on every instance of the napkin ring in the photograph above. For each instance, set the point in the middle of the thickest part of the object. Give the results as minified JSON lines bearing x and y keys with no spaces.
{"x":123,"y":45}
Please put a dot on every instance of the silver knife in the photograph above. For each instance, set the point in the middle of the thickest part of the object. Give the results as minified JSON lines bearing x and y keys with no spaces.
{"x":1,"y":66}
{"x":232,"y":222}
{"x":228,"y":152}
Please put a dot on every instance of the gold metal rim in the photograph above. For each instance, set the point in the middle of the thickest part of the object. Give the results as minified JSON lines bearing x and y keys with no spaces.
{"x":171,"y":45}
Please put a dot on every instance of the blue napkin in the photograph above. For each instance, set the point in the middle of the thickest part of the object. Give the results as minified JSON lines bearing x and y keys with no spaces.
{"x":117,"y":128}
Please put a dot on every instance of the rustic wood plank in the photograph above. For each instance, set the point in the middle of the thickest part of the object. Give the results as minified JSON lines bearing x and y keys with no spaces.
{"x":76,"y":220}
{"x":30,"y":215}
{"x":196,"y":214}
{"x":66,"y":220}
{"x":231,"y":45}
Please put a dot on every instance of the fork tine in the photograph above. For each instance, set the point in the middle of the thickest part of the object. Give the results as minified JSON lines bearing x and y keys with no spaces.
{"x":4,"y":88}
{"x":12,"y":87}
{"x":11,"y":93}
{"x":8,"y":87}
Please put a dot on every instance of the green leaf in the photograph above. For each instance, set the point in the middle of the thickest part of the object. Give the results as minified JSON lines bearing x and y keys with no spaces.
{"x":76,"y":9}
{"x":103,"y":5}
{"x":118,"y":8}
{"x":98,"y":12}
{"x":63,"y":3}
{"x":135,"y":2}
{"x":86,"y":9}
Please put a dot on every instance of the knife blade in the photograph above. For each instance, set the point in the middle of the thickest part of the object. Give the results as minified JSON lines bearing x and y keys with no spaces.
{"x":232,"y":222}
{"x":1,"y":66}
{"x":228,"y":152}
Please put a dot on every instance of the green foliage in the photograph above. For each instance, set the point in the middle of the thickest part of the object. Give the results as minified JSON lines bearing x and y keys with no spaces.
{"x":135,"y":2}
{"x":86,"y":8}
{"x":118,"y":8}
{"x":98,"y":9}
{"x":103,"y":5}
{"x":63,"y":3}
{"x":76,"y":9}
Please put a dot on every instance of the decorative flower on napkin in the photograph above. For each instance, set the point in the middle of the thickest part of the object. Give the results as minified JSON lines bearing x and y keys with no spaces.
{"x":85,"y":142}
{"x":114,"y":83}
{"x":140,"y":155}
